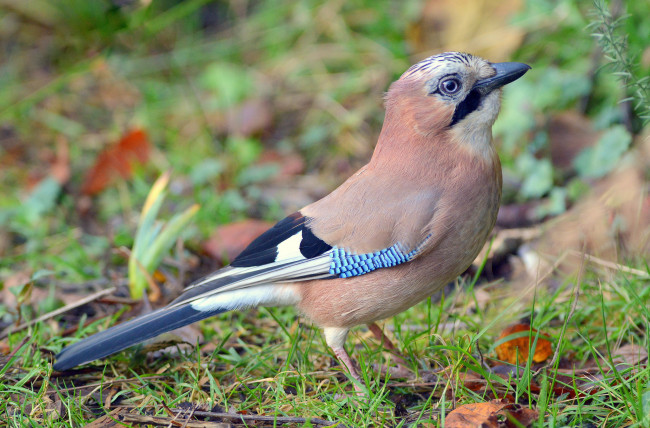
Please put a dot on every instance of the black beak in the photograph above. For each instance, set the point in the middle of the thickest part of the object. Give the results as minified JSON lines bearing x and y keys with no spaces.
{"x":506,"y":72}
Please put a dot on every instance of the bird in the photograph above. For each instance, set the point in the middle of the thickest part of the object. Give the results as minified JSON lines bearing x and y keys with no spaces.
{"x":404,"y":225}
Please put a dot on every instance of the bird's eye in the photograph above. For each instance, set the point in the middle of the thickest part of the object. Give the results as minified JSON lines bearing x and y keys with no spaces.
{"x":449,"y":86}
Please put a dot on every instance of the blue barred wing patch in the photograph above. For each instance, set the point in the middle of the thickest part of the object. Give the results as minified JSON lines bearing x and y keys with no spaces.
{"x":346,"y":264}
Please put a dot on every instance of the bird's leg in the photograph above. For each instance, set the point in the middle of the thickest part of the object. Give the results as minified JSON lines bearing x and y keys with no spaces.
{"x":402,"y":369}
{"x":335,"y":338}
{"x":386,"y":343}
{"x":344,"y":358}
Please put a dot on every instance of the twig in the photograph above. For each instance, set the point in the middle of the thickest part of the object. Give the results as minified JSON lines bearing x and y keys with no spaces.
{"x":189,"y":416}
{"x":261,"y":418}
{"x":411,"y":384}
{"x":480,"y":354}
{"x":106,"y":383}
{"x":179,"y":420}
{"x":610,"y":265}
{"x":163,"y":421}
{"x":9,"y":330}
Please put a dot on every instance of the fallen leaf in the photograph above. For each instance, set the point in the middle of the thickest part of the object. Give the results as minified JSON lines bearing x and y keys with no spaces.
{"x":172,"y":341}
{"x":482,"y":28}
{"x":229,"y":240}
{"x":518,"y":215}
{"x":481,"y":298}
{"x":109,"y":420}
{"x":612,"y":222}
{"x":491,"y":414}
{"x":523,"y":415}
{"x":249,"y":118}
{"x":569,"y":133}
{"x":630,"y":354}
{"x":517,"y":348}
{"x":290,"y":164}
{"x":473,"y":381}
{"x":60,"y":164}
{"x":16,"y":279}
{"x":117,"y":161}
{"x":54,"y":408}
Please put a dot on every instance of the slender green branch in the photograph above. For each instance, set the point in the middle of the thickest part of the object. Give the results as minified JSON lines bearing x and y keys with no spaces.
{"x":607,"y":29}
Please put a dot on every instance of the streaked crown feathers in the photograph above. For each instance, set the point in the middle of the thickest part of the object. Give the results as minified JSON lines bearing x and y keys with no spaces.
{"x":438,"y":62}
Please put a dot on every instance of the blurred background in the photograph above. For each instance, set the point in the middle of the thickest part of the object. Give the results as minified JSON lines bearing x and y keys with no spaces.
{"x":257,"y":108}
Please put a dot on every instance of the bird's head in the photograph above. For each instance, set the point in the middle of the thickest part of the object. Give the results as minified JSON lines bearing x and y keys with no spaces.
{"x":452,"y":92}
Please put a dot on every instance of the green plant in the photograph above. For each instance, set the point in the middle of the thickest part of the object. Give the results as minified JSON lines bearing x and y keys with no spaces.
{"x":610,"y":32}
{"x":154,"y":238}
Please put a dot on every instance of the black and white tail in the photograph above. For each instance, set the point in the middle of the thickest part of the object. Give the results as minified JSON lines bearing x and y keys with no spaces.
{"x":128,"y":334}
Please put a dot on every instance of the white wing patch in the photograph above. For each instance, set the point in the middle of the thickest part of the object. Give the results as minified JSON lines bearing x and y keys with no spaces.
{"x":260,"y":295}
{"x":259,"y":276}
{"x":290,"y":248}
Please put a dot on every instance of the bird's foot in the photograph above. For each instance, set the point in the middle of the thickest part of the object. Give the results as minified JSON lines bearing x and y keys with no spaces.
{"x":387,"y":344}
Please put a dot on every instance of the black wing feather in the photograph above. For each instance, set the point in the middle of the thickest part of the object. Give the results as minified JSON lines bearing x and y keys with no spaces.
{"x":312,"y":246}
{"x":264,"y":249}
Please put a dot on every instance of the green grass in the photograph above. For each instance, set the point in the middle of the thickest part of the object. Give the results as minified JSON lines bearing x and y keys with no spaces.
{"x":270,"y":362}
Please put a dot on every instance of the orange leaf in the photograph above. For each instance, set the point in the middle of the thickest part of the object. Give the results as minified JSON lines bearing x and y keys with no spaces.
{"x":118,"y":160}
{"x":473,"y":381}
{"x":290,"y":164}
{"x":518,"y":348}
{"x":492,"y":414}
{"x":229,"y":240}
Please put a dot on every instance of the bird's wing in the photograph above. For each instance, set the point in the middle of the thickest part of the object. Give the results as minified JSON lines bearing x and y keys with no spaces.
{"x":293,"y":250}
{"x":287,"y":252}
{"x":370,"y":222}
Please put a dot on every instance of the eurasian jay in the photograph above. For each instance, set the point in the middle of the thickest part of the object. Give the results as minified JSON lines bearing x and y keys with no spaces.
{"x":403,"y":226}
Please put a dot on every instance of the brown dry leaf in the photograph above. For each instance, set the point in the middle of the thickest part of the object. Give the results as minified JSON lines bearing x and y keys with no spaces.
{"x":483,"y":28}
{"x":523,"y":415}
{"x":520,"y":214}
{"x":170,"y":342}
{"x":614,"y":220}
{"x":473,"y":381}
{"x":229,"y":240}
{"x":51,"y":163}
{"x":60,"y":164}
{"x":54,"y":408}
{"x":110,"y":420}
{"x":492,"y":414}
{"x":630,"y":354}
{"x":290,"y":164}
{"x":117,"y":161}
{"x":249,"y":118}
{"x":518,"y":348}
{"x":108,"y":90}
{"x":17,"y":279}
{"x":569,"y":133}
